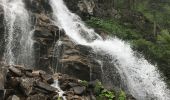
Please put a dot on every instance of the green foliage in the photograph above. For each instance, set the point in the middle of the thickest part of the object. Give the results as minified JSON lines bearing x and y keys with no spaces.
{"x":114,"y":27}
{"x":107,"y":94}
{"x":84,"y":83}
{"x":98,"y":87}
{"x":156,"y":51}
{"x":164,"y":37}
{"x":101,"y":93}
{"x":122,"y":95}
{"x":155,"y":47}
{"x":155,"y":10}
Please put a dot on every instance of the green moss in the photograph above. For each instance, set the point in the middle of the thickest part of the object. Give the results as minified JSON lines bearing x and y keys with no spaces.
{"x":98,"y":87}
{"x":84,"y":83}
{"x":109,"y":95}
{"x":122,"y":95}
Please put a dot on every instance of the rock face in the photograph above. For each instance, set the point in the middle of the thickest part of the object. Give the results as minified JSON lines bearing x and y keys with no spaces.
{"x":22,"y":83}
{"x":55,"y":52}
{"x":85,"y":8}
{"x":77,"y":60}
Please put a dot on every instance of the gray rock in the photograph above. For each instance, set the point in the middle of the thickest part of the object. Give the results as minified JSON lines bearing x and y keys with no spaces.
{"x":79,"y":90}
{"x":48,"y":78}
{"x":26,"y":85}
{"x":15,"y":71}
{"x":37,"y":97}
{"x":14,"y":97}
{"x":44,"y":86}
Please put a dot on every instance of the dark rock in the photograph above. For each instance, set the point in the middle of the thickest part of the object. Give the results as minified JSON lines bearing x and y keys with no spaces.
{"x":48,"y":78}
{"x":71,"y":84}
{"x":87,"y":8}
{"x":29,"y":74}
{"x":23,"y":68}
{"x":8,"y":92}
{"x":15,"y":71}
{"x":44,"y":86}
{"x":40,"y":90}
{"x":13,"y":82}
{"x":2,"y":94}
{"x":79,"y":90}
{"x":37,"y":97}
{"x":26,"y":85}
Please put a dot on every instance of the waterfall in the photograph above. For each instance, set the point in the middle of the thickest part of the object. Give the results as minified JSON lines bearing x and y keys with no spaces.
{"x":18,"y":33}
{"x":142,"y":79}
{"x":60,"y":91}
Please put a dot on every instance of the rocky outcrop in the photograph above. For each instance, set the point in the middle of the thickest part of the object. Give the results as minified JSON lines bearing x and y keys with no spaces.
{"x":99,"y":8}
{"x":77,"y":60}
{"x":22,"y":83}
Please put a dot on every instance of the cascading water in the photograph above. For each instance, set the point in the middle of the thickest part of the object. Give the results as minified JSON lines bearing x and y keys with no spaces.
{"x":142,"y":79}
{"x":18,"y":33}
{"x":60,"y":91}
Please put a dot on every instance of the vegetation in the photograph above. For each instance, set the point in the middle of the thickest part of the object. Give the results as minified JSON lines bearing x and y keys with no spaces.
{"x":151,"y":39}
{"x":104,"y":94}
{"x":84,"y":83}
{"x":122,"y":95}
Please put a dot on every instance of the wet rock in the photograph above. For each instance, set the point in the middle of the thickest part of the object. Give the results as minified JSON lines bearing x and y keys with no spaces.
{"x":79,"y":90}
{"x":38,"y":73}
{"x":48,"y":78}
{"x":86,"y":6}
{"x":44,"y":86}
{"x":23,"y":68}
{"x":15,"y":71}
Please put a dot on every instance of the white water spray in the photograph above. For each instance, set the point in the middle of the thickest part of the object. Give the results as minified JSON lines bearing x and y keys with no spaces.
{"x":60,"y":91}
{"x":18,"y":33}
{"x":142,"y":79}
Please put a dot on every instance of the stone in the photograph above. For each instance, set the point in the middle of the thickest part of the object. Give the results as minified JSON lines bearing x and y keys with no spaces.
{"x":23,"y":68}
{"x":37,"y":97}
{"x":13,"y":82}
{"x":26,"y":85}
{"x":36,"y":73}
{"x":15,"y":71}
{"x":79,"y":90}
{"x":2,"y":94}
{"x":29,"y":74}
{"x":44,"y":86}
{"x":71,"y":84}
{"x":13,"y":97}
{"x":8,"y":92}
{"x":48,"y":78}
